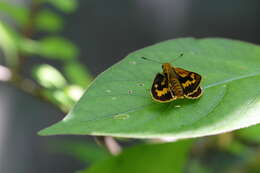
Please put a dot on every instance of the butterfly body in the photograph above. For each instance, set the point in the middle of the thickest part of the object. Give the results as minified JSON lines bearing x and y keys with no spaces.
{"x":175,"y":83}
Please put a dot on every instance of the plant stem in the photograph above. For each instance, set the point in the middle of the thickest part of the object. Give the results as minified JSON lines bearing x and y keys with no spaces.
{"x":110,"y":144}
{"x":13,"y":75}
{"x":26,"y":85}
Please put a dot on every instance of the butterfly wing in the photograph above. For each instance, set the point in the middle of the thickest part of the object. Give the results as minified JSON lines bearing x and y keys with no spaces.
{"x":196,"y":94}
{"x":190,"y":82}
{"x":160,"y":91}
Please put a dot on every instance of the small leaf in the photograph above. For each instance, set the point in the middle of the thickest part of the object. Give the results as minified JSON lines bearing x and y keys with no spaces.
{"x":50,"y":47}
{"x":77,"y":73}
{"x":74,"y":92}
{"x":231,"y":99}
{"x":166,"y":158}
{"x":8,"y":44}
{"x":48,"y":76}
{"x":48,"y":21}
{"x":20,"y":14}
{"x":67,"y":6}
{"x":57,"y":48}
{"x":28,"y":46}
{"x":59,"y":98}
{"x":62,"y":99}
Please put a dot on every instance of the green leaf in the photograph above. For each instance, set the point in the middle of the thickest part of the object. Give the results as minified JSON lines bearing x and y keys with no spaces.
{"x":59,"y":98}
{"x":28,"y":46}
{"x":48,"y":21}
{"x":50,"y":47}
{"x":77,"y":73}
{"x":166,"y":158}
{"x":8,"y":44}
{"x":67,"y":6}
{"x":57,"y":48}
{"x":118,"y":102}
{"x":250,"y":133}
{"x":74,"y":92}
{"x":48,"y":76}
{"x":20,"y":14}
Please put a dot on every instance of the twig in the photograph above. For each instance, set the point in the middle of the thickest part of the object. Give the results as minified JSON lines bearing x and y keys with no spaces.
{"x":28,"y":31}
{"x":26,"y":85}
{"x":30,"y":87}
{"x":110,"y":144}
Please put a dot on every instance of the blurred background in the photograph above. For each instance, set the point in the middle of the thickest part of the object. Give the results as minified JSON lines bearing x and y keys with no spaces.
{"x":98,"y":33}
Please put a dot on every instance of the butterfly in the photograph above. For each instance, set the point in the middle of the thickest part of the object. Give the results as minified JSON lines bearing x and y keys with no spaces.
{"x":175,"y":83}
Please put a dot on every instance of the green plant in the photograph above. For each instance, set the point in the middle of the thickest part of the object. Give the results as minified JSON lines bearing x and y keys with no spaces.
{"x":118,"y":102}
{"x":134,"y":114}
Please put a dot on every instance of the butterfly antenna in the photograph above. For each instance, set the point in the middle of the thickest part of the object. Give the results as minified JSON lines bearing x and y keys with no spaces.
{"x":151,"y":60}
{"x":181,"y":55}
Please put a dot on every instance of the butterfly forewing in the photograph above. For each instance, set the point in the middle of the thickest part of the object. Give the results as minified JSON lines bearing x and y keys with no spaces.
{"x":175,"y":83}
{"x":190,"y":81}
{"x":160,"y":90}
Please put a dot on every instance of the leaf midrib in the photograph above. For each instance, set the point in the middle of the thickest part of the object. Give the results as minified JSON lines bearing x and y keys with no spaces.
{"x":232,"y":79}
{"x":147,"y":105}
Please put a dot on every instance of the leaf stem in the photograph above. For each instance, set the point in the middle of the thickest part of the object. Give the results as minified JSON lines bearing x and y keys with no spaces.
{"x":109,"y":143}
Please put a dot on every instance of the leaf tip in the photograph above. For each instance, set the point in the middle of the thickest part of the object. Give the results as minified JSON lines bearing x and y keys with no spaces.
{"x":43,"y":132}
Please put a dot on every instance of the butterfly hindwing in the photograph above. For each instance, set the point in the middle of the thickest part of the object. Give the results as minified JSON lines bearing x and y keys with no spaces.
{"x":196,"y":94}
{"x":160,"y":90}
{"x":190,"y":82}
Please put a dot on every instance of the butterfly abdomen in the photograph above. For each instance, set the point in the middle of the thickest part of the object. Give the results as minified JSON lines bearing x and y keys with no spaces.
{"x":176,"y":87}
{"x":174,"y":83}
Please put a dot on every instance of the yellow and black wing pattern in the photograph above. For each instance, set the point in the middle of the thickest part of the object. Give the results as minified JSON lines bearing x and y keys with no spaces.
{"x":160,"y":90}
{"x":190,"y":82}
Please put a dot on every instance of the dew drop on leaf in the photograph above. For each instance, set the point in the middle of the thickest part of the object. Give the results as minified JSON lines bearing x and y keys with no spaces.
{"x":121,"y":116}
{"x":132,"y":62}
{"x":108,"y":91}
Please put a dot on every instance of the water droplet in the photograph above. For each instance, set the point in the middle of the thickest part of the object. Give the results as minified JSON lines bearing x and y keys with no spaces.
{"x":132,"y":62}
{"x":121,"y":116}
{"x":177,"y":106}
{"x":108,"y":91}
{"x":113,"y":98}
{"x":130,"y":91}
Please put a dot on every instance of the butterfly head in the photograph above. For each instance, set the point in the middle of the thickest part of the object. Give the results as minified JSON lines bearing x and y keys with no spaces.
{"x":167,"y":67}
